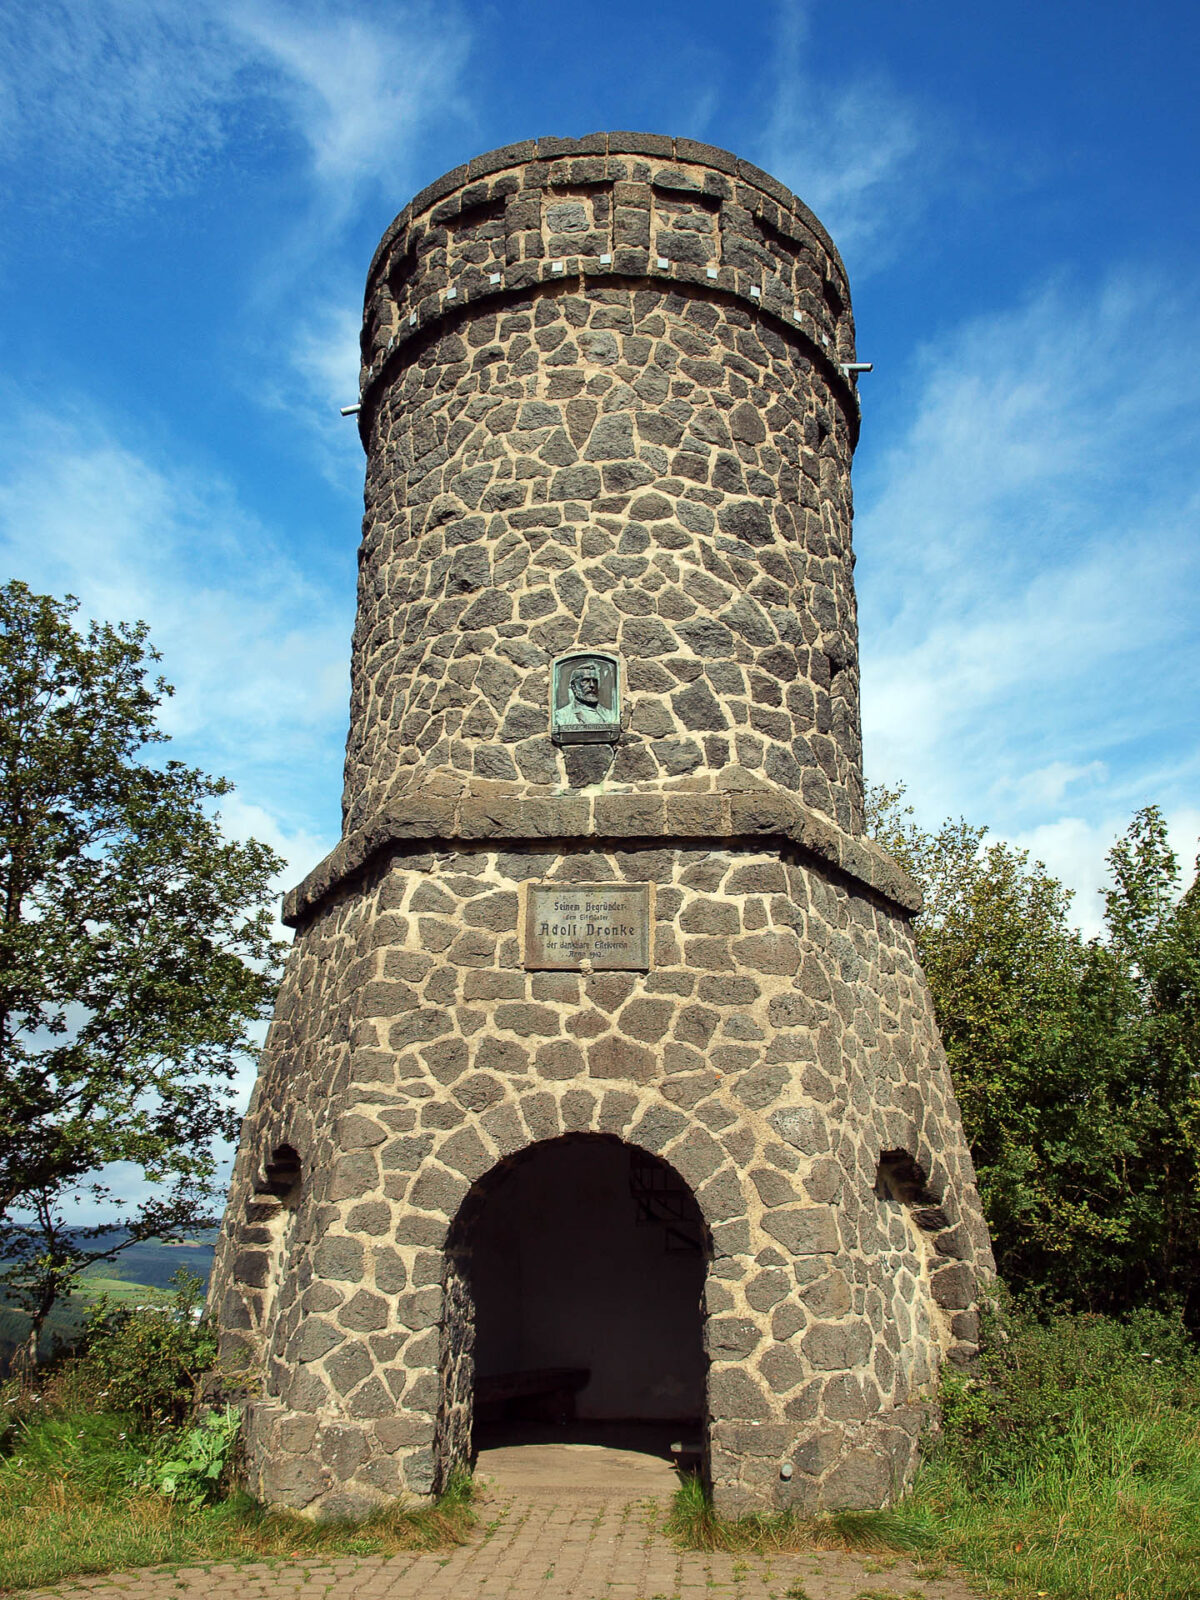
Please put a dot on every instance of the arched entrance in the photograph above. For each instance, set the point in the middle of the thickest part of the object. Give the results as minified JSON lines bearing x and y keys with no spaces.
{"x":576,"y":1277}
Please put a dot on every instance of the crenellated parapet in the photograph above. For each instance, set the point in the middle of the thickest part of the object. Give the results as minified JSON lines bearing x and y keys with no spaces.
{"x":606,"y":206}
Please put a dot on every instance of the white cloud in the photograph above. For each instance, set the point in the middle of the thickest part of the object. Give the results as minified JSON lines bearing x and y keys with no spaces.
{"x":1048,"y":785}
{"x":327,"y":355}
{"x":310,"y":378}
{"x":855,"y":151}
{"x":357,"y":88}
{"x":1076,"y":852}
{"x":256,"y":648}
{"x":1006,"y":676}
{"x":300,"y":848}
{"x":126,"y":99}
{"x":1029,"y":571}
{"x":1033,"y":424}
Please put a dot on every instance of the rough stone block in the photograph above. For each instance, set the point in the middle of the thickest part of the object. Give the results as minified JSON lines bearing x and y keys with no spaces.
{"x":466,"y":1152}
{"x":817,"y":1453}
{"x":437,"y":1190}
{"x":614,"y":1057}
{"x":291,"y":1481}
{"x":730,"y":1338}
{"x":314,"y":1340}
{"x":410,"y":1428}
{"x":657,"y":1126}
{"x":954,"y":1286}
{"x":802,"y":1126}
{"x":804,"y":1230}
{"x":832,"y":1347}
{"x":353,"y":1175}
{"x":364,"y":1312}
{"x":732,"y":1392}
{"x":860,"y":1481}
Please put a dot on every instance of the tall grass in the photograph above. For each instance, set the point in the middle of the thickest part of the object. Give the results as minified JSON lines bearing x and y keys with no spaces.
{"x":1070,"y":1467}
{"x":70,"y":1505}
{"x":694,"y":1523}
{"x":1074,"y":1465}
{"x":82,"y":1451}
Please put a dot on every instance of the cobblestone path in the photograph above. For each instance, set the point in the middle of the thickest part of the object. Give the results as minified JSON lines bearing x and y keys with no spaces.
{"x":542,"y":1548}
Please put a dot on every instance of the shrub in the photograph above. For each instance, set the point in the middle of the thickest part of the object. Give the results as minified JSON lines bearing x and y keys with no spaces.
{"x":146,"y":1361}
{"x":1052,"y":1387}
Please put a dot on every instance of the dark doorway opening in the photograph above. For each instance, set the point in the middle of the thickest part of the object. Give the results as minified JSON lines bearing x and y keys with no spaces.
{"x":580,"y":1265}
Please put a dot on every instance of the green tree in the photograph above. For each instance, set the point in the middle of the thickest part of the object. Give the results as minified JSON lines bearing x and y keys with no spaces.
{"x":1075,"y":1063}
{"x":135,"y":951}
{"x":1137,"y":1035}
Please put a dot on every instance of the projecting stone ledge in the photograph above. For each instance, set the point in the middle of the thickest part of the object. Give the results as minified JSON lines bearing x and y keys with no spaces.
{"x":684,"y":819}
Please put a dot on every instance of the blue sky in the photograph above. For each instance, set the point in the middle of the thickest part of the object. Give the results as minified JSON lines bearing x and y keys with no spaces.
{"x":191,"y":195}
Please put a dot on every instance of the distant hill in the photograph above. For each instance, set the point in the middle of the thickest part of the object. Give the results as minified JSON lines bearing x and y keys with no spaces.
{"x":140,"y":1275}
{"x":155,"y":1263}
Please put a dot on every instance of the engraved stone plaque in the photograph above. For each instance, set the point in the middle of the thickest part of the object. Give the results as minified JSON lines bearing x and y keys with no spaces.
{"x":605,"y":924}
{"x":585,"y":698}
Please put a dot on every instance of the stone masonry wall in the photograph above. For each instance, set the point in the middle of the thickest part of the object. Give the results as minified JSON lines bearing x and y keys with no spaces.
{"x":638,"y":437}
{"x":607,"y":402}
{"x":783,"y":1041}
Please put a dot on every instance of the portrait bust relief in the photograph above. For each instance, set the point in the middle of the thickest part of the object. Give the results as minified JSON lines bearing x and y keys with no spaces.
{"x":585,"y":698}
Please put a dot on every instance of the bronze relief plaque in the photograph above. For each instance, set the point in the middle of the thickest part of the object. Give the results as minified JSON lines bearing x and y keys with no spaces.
{"x":608,"y":925}
{"x":585,"y":698}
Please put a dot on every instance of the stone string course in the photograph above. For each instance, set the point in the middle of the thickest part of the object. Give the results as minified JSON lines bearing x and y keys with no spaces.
{"x":604,"y":436}
{"x":742,"y":807}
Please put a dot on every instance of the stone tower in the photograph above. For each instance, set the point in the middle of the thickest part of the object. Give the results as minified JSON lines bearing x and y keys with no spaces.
{"x":603,"y":1073}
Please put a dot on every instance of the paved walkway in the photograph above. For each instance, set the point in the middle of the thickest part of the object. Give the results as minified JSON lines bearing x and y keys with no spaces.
{"x":585,"y":1538}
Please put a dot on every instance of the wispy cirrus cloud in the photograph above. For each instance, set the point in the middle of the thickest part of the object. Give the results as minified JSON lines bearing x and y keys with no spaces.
{"x":357,"y":85}
{"x":313,"y":375}
{"x":855,"y":149}
{"x":119,"y":104}
{"x":1029,"y":570}
{"x":122,"y":99}
{"x":127,"y":100}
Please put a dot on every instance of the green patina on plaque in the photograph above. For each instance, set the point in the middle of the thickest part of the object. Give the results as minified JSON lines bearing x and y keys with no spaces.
{"x":585,"y":698}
